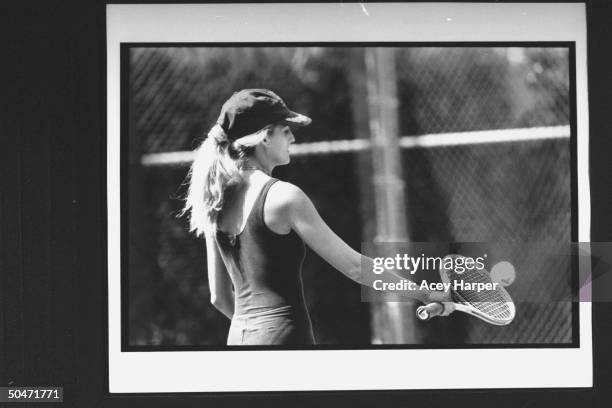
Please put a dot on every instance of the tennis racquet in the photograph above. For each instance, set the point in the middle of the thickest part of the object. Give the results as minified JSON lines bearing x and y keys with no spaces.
{"x":493,"y":306}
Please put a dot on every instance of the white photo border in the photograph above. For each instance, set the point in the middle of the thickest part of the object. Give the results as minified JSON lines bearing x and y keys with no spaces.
{"x":313,"y":370}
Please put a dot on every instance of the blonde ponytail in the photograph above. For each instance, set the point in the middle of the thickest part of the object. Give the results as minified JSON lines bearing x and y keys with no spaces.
{"x":212,"y":172}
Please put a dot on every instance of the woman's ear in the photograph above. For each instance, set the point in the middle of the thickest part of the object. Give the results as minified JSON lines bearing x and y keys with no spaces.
{"x":267,"y":136}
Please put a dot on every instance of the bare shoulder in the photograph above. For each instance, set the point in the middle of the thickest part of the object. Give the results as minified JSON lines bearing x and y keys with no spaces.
{"x":284,"y":203}
{"x":284,"y":195}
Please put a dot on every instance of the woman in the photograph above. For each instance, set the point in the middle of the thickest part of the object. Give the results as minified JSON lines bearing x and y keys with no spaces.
{"x":256,"y":226}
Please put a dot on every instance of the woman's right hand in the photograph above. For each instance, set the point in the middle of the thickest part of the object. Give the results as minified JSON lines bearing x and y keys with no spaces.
{"x":437,"y":303}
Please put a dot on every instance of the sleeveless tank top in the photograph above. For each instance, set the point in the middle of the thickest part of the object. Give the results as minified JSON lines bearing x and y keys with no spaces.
{"x":265,"y":267}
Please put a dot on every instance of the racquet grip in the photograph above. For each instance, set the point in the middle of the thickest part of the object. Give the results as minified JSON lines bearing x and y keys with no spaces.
{"x":429,"y":310}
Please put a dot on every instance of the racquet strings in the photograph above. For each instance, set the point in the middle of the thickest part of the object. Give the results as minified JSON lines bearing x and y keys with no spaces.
{"x":493,"y":303}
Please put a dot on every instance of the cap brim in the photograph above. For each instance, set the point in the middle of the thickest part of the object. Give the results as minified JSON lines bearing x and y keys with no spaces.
{"x":297,"y":119}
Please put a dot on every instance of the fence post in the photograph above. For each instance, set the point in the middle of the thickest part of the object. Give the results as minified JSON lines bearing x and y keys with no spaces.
{"x":392,"y":322}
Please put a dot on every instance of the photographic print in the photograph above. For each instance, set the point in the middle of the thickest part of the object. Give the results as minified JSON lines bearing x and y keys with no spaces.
{"x":497,"y":169}
{"x":286,"y":194}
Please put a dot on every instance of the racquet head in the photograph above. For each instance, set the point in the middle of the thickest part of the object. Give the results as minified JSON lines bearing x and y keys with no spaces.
{"x":494,"y":305}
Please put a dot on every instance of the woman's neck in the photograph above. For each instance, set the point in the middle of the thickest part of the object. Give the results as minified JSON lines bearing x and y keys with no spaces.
{"x":251,"y":165}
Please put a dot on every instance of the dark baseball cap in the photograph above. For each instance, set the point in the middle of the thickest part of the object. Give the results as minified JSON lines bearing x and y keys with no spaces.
{"x":250,"y":110}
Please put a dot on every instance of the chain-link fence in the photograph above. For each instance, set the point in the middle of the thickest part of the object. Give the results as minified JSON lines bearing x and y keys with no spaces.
{"x":513,"y":191}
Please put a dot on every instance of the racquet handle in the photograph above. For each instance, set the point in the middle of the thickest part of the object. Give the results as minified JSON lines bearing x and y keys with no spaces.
{"x":430,"y":310}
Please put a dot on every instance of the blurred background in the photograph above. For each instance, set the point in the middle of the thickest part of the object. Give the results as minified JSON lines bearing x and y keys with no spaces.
{"x":407,"y":144}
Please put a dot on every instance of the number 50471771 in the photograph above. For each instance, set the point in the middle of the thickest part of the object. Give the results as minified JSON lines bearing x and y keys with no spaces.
{"x":8,"y":394}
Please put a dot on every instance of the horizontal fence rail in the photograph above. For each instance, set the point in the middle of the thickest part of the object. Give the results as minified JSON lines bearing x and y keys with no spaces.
{"x":184,"y":158}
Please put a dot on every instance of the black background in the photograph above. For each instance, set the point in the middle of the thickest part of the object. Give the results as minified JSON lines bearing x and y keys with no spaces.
{"x":53,"y":221}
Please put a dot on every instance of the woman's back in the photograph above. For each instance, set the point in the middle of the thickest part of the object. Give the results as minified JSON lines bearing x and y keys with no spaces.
{"x":264,"y":266}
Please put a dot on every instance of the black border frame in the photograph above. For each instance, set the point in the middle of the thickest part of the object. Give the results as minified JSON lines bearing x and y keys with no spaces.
{"x":124,"y":177}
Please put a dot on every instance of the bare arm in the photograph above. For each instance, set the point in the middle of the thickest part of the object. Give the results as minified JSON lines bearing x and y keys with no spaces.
{"x":221,"y":291}
{"x":309,"y":225}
